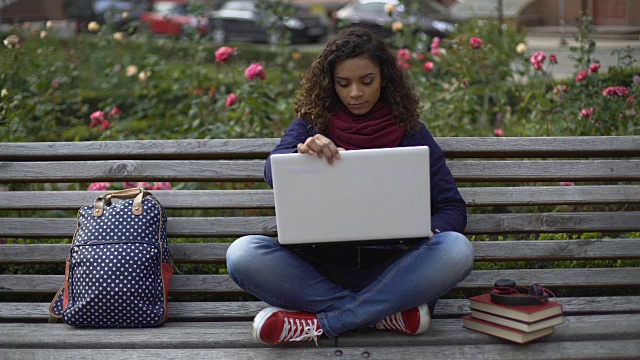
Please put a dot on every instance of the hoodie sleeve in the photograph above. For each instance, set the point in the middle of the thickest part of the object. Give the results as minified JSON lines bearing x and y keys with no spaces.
{"x":448,"y":208}
{"x":297,"y":132}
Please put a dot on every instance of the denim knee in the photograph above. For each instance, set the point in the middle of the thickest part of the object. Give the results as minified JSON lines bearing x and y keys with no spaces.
{"x":461,"y":248}
{"x":236,"y":250}
{"x":242,"y":252}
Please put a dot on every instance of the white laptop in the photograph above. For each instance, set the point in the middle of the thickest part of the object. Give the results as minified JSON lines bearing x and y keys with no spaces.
{"x":373,"y":194}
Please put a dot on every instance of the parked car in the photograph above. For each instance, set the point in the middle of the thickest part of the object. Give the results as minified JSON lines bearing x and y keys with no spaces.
{"x":124,"y":15}
{"x":240,"y":20}
{"x":172,"y":17}
{"x":434,"y":19}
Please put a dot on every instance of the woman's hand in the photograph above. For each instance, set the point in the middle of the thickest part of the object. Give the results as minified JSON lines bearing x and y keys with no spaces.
{"x":321,"y":146}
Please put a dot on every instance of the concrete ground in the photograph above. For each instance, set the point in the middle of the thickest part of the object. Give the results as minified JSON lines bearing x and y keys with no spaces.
{"x":607,"y":50}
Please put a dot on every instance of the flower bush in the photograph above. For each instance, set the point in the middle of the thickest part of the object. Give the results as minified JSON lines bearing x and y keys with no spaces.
{"x":110,"y":186}
{"x":481,"y":81}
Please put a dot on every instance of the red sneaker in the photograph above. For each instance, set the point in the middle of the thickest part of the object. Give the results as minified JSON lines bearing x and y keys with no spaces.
{"x":411,"y":322}
{"x":274,"y":325}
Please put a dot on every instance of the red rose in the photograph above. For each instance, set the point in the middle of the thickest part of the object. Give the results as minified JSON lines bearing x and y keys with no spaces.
{"x":253,"y":71}
{"x":581,"y":76}
{"x":224,"y":53}
{"x":475,"y":42}
{"x":231,"y":100}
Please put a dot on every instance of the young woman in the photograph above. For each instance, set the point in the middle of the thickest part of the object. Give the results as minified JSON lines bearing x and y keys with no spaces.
{"x":354,"y":96}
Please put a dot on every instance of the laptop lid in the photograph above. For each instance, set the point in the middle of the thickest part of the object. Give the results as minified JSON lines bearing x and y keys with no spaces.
{"x":372,"y":194}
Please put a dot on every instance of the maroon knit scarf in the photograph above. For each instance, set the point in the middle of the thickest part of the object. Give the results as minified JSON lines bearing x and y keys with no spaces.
{"x":375,"y":129}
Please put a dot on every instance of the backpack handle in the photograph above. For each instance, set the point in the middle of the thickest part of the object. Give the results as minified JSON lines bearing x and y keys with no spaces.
{"x":133,"y":193}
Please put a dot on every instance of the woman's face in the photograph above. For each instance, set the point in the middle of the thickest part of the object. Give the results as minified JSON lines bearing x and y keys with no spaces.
{"x":358,"y":83}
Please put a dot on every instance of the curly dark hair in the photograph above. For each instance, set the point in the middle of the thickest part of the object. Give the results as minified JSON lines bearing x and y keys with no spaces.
{"x":317,"y":99}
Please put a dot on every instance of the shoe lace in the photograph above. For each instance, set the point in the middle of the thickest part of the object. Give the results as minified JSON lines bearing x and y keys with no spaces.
{"x":299,"y":330}
{"x":393,"y":322}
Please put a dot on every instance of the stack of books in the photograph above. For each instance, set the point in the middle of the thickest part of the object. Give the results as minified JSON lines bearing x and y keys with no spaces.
{"x":520,"y":324}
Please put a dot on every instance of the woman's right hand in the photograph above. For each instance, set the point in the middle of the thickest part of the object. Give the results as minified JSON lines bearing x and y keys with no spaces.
{"x":321,"y":146}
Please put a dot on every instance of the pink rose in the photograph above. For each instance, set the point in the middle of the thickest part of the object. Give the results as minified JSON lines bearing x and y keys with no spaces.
{"x":428,"y":66}
{"x":137,"y":184}
{"x":254,"y":70}
{"x":537,"y":65}
{"x":96,"y":118}
{"x":404,"y":55}
{"x":475,"y":42}
{"x":435,"y":42}
{"x":498,"y":132}
{"x":105,"y":124}
{"x":586,"y":113}
{"x":567,"y":183}
{"x":553,"y":59}
{"x":559,"y":89}
{"x":231,"y":100}
{"x":403,"y":65}
{"x":593,"y":68}
{"x":115,"y":112}
{"x":143,"y":184}
{"x":615,"y":91}
{"x":581,"y":76}
{"x":464,"y":83}
{"x":538,"y":57}
{"x":224,"y":53}
{"x":161,"y":186}
{"x":99,"y":186}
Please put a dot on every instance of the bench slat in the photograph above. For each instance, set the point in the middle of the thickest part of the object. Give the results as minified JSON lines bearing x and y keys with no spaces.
{"x":263,"y":199}
{"x":478,"y":279}
{"x":552,"y":222}
{"x":139,"y":149}
{"x":133,"y":170}
{"x":247,"y":310}
{"x":585,"y":146}
{"x":542,"y":250}
{"x":612,"y":349}
{"x":252,"y":170}
{"x":206,"y":335}
{"x":266,"y":225}
{"x":545,"y":170}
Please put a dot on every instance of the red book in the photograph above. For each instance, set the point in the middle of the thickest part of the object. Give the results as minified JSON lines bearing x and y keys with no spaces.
{"x":527,"y":314}
{"x":517,"y":324}
{"x":504,"y":332}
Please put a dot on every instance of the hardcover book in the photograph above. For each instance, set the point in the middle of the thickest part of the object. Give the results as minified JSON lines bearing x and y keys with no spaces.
{"x":504,"y":332}
{"x":517,"y":324}
{"x":527,"y":314}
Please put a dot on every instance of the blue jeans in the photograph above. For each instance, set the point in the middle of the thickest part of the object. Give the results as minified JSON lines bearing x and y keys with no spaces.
{"x":281,"y":277}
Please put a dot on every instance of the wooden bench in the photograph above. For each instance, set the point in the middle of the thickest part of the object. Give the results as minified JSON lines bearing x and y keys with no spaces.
{"x":511,"y":186}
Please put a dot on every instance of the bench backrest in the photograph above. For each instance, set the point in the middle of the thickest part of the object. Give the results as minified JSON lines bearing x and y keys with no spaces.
{"x":511,"y":185}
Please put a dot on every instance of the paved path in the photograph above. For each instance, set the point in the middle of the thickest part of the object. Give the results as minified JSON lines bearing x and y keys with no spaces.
{"x":565,"y":67}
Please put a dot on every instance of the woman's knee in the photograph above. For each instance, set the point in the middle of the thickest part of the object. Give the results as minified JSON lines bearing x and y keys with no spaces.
{"x":460,"y":248}
{"x":246,"y":250}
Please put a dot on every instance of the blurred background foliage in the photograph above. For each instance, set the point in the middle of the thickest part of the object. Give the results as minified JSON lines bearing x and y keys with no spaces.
{"x":169,"y":89}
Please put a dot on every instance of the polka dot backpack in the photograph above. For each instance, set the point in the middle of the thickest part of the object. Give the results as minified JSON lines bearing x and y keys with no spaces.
{"x":119,"y":268}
